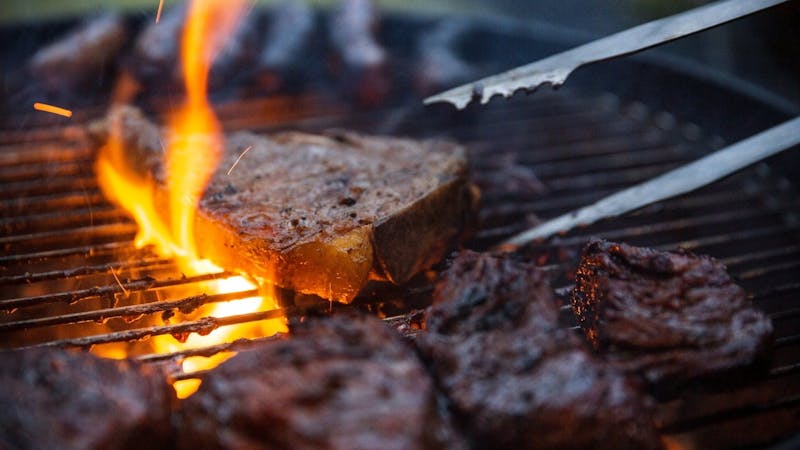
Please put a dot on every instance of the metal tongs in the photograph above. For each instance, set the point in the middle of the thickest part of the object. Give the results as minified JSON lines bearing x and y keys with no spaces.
{"x":555,"y":69}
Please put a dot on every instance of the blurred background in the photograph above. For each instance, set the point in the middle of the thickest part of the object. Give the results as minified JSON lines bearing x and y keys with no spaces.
{"x":763,"y":49}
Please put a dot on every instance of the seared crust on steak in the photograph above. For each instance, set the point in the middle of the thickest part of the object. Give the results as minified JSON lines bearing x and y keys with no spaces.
{"x":321,"y":214}
{"x":343,"y":382}
{"x":513,"y":376}
{"x":53,"y":398}
{"x":668,"y":316}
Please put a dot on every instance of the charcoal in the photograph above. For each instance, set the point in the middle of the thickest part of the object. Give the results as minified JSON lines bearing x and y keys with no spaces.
{"x":58,"y":399}
{"x":671,"y":317}
{"x":516,"y":378}
{"x":341,"y":382}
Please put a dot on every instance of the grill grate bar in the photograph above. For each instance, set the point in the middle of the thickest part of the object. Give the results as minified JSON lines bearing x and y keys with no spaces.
{"x":107,"y":291}
{"x":211,"y":350}
{"x":704,"y":421}
{"x":201,"y":326}
{"x":53,"y":151}
{"x":750,"y":234}
{"x":786,"y":314}
{"x":55,"y":183}
{"x":769,"y":270}
{"x":785,"y":370}
{"x":68,"y":219}
{"x":50,"y":202}
{"x":33,"y":172}
{"x":551,"y":205}
{"x":765,"y":254}
{"x":785,"y":341}
{"x":644,"y":157}
{"x":185,"y":305}
{"x":667,"y":227}
{"x":85,"y":251}
{"x":49,"y":238}
{"x":64,"y":274}
{"x":618,"y":178}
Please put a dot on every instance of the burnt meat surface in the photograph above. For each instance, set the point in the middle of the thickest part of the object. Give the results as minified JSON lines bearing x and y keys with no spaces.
{"x":343,"y":382}
{"x":319,"y":214}
{"x":669,"y":316}
{"x":513,"y":376}
{"x":63,"y":400}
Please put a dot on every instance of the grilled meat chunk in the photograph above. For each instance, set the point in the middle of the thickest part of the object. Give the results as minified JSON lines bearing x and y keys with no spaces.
{"x":320,"y":214}
{"x":342,"y":382}
{"x":513,"y":376}
{"x":82,"y":55}
{"x":668,"y":316}
{"x":60,"y":399}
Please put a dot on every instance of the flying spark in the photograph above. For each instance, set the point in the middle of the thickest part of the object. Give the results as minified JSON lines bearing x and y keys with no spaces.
{"x":52,"y":109}
{"x":239,"y":159}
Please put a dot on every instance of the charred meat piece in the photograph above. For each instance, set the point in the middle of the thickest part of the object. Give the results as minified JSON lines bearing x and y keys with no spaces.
{"x":59,"y":399}
{"x":82,"y":56}
{"x":342,"y":382}
{"x":320,"y":214}
{"x":669,"y":316}
{"x":291,"y":25}
{"x":361,"y":61}
{"x":513,"y":376}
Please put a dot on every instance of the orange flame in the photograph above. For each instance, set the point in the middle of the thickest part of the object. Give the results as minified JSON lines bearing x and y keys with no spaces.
{"x":195,"y":146}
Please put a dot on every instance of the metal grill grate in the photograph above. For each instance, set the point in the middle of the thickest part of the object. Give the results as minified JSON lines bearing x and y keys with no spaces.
{"x":72,"y":277}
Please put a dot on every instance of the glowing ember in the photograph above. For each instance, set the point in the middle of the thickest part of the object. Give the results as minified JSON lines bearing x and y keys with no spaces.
{"x":52,"y":109}
{"x":195,"y":142}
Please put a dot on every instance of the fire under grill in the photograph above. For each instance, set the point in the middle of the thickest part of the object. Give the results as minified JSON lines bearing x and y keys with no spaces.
{"x":71,"y":275}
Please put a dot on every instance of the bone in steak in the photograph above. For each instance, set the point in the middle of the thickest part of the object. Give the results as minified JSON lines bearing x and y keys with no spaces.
{"x":669,"y":316}
{"x":52,"y":398}
{"x":321,"y":214}
{"x":513,"y":376}
{"x":341,"y":382}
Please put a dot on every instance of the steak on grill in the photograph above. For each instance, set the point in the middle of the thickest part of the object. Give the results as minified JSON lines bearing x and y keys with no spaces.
{"x":59,"y":399}
{"x":341,"y":382}
{"x":513,"y":376}
{"x":320,"y":214}
{"x":669,"y":316}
